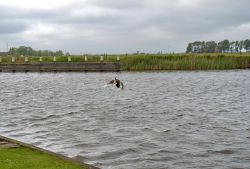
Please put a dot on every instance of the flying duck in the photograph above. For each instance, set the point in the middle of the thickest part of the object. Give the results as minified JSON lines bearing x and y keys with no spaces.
{"x":117,"y":82}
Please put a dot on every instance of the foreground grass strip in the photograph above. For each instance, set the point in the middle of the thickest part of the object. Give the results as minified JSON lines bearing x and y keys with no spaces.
{"x":25,"y":158}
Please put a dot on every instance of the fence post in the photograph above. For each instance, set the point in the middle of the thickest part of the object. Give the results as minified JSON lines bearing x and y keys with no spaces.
{"x":0,"y":59}
{"x":26,"y":59}
{"x":13,"y":59}
{"x":54,"y":58}
{"x":86,"y":58}
{"x":69,"y":59}
{"x":41,"y":59}
{"x":118,"y":58}
{"x":101,"y":58}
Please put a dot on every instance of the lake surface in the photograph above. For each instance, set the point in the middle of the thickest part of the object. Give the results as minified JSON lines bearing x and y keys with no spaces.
{"x":161,"y":120}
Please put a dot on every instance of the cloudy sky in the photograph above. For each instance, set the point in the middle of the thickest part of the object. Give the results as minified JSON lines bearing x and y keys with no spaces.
{"x":120,"y":26}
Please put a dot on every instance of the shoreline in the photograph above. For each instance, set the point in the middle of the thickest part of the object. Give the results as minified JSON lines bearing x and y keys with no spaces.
{"x":61,"y":67}
{"x":133,"y":62}
{"x":16,"y":143}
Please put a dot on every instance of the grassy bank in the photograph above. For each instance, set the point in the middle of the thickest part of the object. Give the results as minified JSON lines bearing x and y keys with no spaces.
{"x":74,"y":58}
{"x":186,"y":62}
{"x":143,"y":62}
{"x":24,"y":158}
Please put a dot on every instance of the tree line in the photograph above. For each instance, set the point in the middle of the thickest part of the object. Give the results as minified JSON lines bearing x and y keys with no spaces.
{"x":28,"y":51}
{"x":224,"y":46}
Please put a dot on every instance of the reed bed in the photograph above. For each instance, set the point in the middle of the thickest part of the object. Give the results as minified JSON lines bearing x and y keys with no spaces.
{"x":185,"y":62}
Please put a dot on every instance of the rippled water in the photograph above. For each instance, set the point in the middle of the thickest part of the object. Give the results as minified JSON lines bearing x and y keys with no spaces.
{"x":161,"y":119}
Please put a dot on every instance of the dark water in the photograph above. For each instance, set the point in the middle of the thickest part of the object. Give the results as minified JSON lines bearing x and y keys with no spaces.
{"x":161,"y":119}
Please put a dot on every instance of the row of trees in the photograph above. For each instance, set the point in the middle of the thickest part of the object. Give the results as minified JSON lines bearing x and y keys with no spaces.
{"x":224,"y":46}
{"x":28,"y":51}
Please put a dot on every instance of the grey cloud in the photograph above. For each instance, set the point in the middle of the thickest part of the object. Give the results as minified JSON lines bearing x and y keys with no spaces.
{"x":118,"y":26}
{"x":15,"y":20}
{"x":12,"y":26}
{"x":119,"y":5}
{"x":7,"y":12}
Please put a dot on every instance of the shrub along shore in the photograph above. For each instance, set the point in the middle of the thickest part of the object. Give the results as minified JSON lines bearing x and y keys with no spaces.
{"x":147,"y":62}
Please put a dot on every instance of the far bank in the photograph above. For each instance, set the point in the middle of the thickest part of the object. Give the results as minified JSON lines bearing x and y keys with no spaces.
{"x":140,"y":62}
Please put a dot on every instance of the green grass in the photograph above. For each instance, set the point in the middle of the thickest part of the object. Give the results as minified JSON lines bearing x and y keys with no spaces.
{"x":142,"y":62}
{"x":24,"y":158}
{"x":185,"y":62}
{"x":76,"y":58}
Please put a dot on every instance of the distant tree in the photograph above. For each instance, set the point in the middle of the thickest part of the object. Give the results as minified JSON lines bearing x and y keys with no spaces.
{"x":189,"y":48}
{"x":12,"y":51}
{"x":225,"y":45}
{"x":51,"y":53}
{"x":247,"y":45}
{"x":59,"y":53}
{"x":45,"y":53}
{"x":232,"y":46}
{"x":39,"y":53}
{"x":197,"y":47}
{"x":221,"y":46}
{"x":28,"y":51}
{"x":203,"y":47}
{"x":241,"y":45}
{"x":21,"y":50}
{"x":236,"y":47}
{"x":211,"y":46}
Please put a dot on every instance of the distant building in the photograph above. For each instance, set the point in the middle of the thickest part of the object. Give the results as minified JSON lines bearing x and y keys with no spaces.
{"x":4,"y":53}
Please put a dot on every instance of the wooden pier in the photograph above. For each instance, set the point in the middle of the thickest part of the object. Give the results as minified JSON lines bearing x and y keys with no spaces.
{"x":61,"y":67}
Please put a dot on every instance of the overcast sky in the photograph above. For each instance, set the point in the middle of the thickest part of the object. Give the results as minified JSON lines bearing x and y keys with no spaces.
{"x":120,"y":26}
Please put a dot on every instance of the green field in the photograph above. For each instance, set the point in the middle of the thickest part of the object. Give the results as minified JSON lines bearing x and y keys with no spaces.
{"x":142,"y":62}
{"x":24,"y":158}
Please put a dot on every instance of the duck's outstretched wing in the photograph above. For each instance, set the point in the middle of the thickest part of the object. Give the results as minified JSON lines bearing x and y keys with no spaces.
{"x":122,"y":85}
{"x":111,"y":82}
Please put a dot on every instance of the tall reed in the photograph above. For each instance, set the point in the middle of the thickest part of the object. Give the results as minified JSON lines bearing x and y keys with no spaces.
{"x":185,"y":62}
